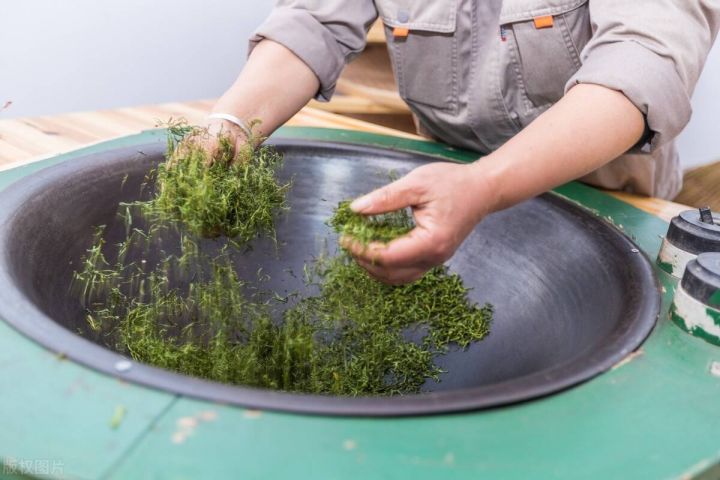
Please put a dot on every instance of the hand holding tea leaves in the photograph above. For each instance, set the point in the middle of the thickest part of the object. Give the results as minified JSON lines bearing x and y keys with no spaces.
{"x":219,"y":143}
{"x":447,"y":201}
{"x":223,"y":136}
{"x":207,"y":195}
{"x":217,"y":130}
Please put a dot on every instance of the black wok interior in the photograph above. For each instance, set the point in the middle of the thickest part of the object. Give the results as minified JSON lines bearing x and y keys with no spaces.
{"x":571,"y":297}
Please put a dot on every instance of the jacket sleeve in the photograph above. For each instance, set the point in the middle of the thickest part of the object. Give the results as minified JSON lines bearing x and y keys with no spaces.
{"x":325,"y":34}
{"x":653,"y":51}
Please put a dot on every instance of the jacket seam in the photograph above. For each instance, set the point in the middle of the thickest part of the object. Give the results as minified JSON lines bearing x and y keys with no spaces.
{"x":515,"y":60}
{"x":570,"y":43}
{"x":450,"y":25}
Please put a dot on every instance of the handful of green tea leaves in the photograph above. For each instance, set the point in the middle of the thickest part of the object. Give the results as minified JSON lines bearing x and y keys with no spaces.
{"x":370,"y":228}
{"x":236,"y":195}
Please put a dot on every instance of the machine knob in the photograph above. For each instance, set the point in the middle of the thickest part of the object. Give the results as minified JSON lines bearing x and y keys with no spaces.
{"x":691,"y":233}
{"x":696,"y":307}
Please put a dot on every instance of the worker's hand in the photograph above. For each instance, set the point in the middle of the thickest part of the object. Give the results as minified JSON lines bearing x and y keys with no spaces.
{"x":209,"y":139}
{"x":217,"y":128}
{"x":447,"y":201}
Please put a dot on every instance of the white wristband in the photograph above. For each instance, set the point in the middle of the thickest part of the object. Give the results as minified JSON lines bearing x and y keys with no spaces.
{"x":234,"y":120}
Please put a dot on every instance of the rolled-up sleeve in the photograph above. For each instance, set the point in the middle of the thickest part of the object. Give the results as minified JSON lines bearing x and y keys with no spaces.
{"x":326,"y":35}
{"x":653,"y":51}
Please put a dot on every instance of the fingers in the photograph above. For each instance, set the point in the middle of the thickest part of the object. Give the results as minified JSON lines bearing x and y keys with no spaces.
{"x":401,"y":193}
{"x":211,"y":144}
{"x":224,"y":143}
{"x":221,"y":146}
{"x":418,"y":248}
{"x":442,"y":197}
{"x":243,"y":152}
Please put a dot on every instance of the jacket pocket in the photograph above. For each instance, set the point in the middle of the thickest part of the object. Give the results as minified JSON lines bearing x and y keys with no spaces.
{"x":549,"y":36}
{"x":425,"y":59}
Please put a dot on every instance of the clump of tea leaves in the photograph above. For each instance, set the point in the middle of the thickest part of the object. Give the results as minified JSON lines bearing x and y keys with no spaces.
{"x":235,"y":194}
{"x":163,"y":297}
{"x":370,"y":228}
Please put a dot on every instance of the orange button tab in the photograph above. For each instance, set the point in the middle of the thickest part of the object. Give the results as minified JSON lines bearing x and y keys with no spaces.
{"x":401,"y":32}
{"x":543,"y":22}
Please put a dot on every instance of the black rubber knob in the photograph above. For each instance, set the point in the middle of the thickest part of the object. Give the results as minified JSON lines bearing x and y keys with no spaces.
{"x":702,"y":279}
{"x":695,"y":231}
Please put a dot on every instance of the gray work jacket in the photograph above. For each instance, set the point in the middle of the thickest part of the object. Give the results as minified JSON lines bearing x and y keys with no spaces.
{"x":475,"y":72}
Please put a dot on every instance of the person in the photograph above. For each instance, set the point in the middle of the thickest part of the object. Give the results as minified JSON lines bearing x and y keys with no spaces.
{"x":546,"y":91}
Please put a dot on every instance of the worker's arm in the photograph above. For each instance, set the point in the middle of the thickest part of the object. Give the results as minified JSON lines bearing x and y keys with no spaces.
{"x":589,"y":127}
{"x":274,"y":85}
{"x":296,"y":54}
